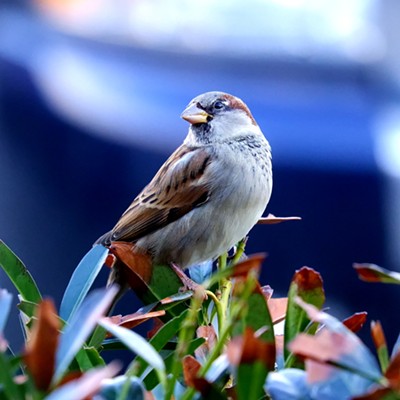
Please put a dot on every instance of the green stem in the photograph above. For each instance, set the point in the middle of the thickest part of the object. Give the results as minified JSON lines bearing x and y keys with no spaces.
{"x":185,"y":335}
{"x":218,"y":308}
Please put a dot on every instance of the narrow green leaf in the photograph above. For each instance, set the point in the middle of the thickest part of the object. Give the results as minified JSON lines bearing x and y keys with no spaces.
{"x":7,"y":383}
{"x":18,"y":274}
{"x":162,"y":337}
{"x":151,"y":379}
{"x":306,"y":284}
{"x":81,"y":325}
{"x":250,"y":381}
{"x":88,"y":358}
{"x":82,"y":280}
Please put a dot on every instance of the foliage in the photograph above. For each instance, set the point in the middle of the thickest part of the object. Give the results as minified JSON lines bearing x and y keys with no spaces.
{"x":222,"y":339}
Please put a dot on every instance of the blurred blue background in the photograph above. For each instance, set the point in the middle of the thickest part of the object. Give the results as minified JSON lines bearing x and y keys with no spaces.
{"x":90,"y":98}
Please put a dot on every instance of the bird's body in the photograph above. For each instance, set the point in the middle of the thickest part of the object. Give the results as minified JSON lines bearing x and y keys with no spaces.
{"x":208,"y":194}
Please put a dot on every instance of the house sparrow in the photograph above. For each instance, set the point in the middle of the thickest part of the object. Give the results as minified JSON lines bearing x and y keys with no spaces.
{"x":209,"y":193}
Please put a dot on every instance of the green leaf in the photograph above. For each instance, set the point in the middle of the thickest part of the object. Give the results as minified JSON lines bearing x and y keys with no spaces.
{"x":88,"y":358}
{"x":250,"y":381}
{"x":82,"y":280}
{"x":306,"y":284}
{"x":81,"y":325}
{"x":11,"y":389}
{"x":18,"y":274}
{"x":162,"y":337}
{"x":151,"y":379}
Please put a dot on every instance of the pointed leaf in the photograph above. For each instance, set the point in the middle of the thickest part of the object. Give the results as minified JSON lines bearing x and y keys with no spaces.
{"x":356,"y":321}
{"x":334,"y":344}
{"x":378,"y":336}
{"x":306,"y":284}
{"x":81,"y":325}
{"x":271,"y":219}
{"x":18,"y":274}
{"x":373,"y":273}
{"x":5,"y":305}
{"x":41,"y":349}
{"x":82,"y":280}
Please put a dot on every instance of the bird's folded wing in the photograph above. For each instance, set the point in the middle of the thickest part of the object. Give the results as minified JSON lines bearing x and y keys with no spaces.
{"x":180,"y":185}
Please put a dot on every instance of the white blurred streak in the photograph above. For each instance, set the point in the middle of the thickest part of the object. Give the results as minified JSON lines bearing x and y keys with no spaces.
{"x":325,"y":29}
{"x":94,"y":96}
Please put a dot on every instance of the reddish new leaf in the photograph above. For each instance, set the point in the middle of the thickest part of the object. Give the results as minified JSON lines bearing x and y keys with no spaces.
{"x":356,"y":321}
{"x":131,"y":320}
{"x":41,"y":348}
{"x":277,"y":308}
{"x":248,"y":349}
{"x":271,"y":219}
{"x":190,"y":369}
{"x":208,"y":333}
{"x":134,"y":268}
{"x":373,"y":273}
{"x":378,"y":336}
{"x":253,"y":263}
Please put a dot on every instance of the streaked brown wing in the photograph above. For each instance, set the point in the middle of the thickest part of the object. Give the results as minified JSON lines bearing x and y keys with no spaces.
{"x":179,"y":186}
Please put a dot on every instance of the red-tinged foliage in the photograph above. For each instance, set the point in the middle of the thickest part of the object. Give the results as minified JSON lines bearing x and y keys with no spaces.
{"x":378,"y":336}
{"x":41,"y":348}
{"x":277,"y":308}
{"x":248,"y":349}
{"x":393,"y":373}
{"x":131,"y":320}
{"x":138,"y":265}
{"x":324,"y":347}
{"x":208,"y":333}
{"x":356,"y":321}
{"x":191,"y":368}
{"x":253,"y":263}
{"x":307,"y":279}
{"x":374,"y":273}
{"x":271,"y":219}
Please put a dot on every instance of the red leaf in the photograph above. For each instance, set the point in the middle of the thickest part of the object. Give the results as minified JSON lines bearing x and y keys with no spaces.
{"x":41,"y":348}
{"x":134,"y":268}
{"x":277,"y":309}
{"x":190,"y":369}
{"x":356,"y":321}
{"x":271,"y":219}
{"x":373,"y":273}
{"x":307,"y":279}
{"x":131,"y":320}
{"x":253,"y":263}
{"x":378,"y":336}
{"x":248,"y":349}
{"x":208,"y":333}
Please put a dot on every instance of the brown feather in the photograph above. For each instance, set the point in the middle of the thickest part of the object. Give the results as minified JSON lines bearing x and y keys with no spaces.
{"x":176,"y":189}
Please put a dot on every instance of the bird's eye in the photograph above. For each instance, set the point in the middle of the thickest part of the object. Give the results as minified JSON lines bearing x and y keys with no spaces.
{"x":218,"y":105}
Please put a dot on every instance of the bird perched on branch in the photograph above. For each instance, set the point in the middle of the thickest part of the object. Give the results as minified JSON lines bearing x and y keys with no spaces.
{"x":208,"y":194}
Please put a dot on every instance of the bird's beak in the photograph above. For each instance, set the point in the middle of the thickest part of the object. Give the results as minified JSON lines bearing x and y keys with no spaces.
{"x":195,"y":115}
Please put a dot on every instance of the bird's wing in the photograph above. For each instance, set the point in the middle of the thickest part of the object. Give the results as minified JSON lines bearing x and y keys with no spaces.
{"x":180,"y":185}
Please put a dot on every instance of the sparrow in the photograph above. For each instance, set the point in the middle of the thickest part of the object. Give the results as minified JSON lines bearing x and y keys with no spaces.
{"x":208,"y":194}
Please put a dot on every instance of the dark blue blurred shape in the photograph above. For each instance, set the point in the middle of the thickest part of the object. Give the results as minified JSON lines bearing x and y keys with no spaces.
{"x":65,"y":180}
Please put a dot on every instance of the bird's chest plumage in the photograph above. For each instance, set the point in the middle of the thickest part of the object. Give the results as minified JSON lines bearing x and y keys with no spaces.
{"x":242,"y":183}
